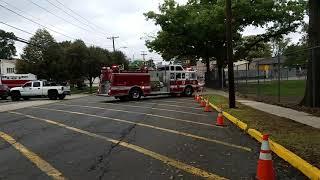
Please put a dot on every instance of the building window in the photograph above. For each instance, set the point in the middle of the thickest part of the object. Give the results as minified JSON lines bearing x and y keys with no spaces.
{"x":10,"y":70}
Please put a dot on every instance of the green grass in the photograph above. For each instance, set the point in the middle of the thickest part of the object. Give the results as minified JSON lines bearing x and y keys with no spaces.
{"x":85,"y":90}
{"x":301,"y":139}
{"x":290,"y":88}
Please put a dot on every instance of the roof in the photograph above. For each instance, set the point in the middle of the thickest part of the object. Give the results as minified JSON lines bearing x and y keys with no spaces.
{"x":271,"y":60}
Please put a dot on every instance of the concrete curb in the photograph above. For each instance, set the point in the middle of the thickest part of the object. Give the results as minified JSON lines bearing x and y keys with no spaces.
{"x":306,"y":168}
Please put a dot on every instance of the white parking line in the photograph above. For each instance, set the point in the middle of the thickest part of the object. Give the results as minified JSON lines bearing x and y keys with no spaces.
{"x":166,"y":160}
{"x":146,"y":114}
{"x":172,"y":105}
{"x":159,"y":109}
{"x":152,"y":127}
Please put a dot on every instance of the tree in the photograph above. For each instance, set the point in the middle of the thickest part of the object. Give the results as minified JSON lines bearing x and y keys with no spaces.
{"x":43,"y":56}
{"x":312,"y":92}
{"x":197,"y":29}
{"x":296,"y":55}
{"x":93,"y":63}
{"x":150,"y":63}
{"x":118,"y":58}
{"x":136,"y":64}
{"x":7,"y":48}
{"x":75,"y":56}
{"x":279,"y":45}
{"x":259,"y":50}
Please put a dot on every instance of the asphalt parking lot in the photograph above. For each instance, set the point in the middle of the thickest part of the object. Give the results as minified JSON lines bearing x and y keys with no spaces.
{"x":100,"y":138}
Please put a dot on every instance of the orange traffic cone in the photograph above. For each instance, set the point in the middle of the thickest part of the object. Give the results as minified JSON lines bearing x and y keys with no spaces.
{"x":265,"y":170}
{"x":220,"y":119}
{"x":203,"y":103}
{"x":195,"y":96}
{"x":207,"y":108}
{"x":198,"y":98}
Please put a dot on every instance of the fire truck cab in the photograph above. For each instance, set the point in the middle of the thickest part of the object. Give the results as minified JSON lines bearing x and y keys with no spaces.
{"x":167,"y":79}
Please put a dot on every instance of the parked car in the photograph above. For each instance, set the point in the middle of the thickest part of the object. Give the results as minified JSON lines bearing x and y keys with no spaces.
{"x":39,"y":89}
{"x":4,"y":91}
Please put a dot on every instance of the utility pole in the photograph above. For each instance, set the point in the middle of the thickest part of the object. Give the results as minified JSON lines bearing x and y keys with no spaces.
{"x":143,"y":53}
{"x":232,"y":98}
{"x":112,"y":38}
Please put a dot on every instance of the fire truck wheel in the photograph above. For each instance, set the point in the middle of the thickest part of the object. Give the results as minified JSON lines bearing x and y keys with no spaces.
{"x":188,"y":91}
{"x":135,"y":94}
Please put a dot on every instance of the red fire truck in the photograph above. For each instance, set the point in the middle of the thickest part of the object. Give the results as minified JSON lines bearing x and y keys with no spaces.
{"x":16,"y":80}
{"x":164,"y":80}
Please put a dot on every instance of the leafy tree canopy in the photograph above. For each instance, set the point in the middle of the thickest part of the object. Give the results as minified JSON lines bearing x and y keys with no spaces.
{"x":197,"y":29}
{"x":7,"y":48}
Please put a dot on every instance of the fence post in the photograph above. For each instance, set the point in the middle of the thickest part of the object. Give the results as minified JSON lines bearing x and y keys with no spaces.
{"x":258,"y":86}
{"x":238,"y":75}
{"x":247,"y":67}
{"x":279,"y":78}
{"x":222,"y":80}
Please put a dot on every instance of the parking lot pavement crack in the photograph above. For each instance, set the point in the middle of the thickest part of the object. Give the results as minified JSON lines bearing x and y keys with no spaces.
{"x":104,"y":159}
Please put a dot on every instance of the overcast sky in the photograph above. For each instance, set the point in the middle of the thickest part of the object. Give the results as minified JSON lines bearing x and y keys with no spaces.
{"x":100,"y":19}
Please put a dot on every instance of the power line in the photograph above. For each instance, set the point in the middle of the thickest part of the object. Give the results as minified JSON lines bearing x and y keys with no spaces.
{"x":68,"y":13}
{"x":16,"y":38}
{"x":35,"y":22}
{"x":57,"y":32}
{"x":16,"y":28}
{"x":63,"y":19}
{"x":22,"y":11}
{"x":88,"y":21}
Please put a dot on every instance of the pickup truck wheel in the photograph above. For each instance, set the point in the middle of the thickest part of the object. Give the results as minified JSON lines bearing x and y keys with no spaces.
{"x":53,"y":95}
{"x":4,"y":97}
{"x":15,"y":96}
{"x":62,"y":96}
{"x":135,"y":94}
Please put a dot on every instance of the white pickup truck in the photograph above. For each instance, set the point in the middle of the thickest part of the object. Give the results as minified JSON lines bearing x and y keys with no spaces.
{"x":39,"y":89}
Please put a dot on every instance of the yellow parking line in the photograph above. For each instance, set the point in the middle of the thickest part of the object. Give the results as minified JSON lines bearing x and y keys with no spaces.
{"x":146,"y":114}
{"x":164,"y":159}
{"x":160,"y":109}
{"x":154,"y":127}
{"x":34,"y":158}
{"x":170,"y":105}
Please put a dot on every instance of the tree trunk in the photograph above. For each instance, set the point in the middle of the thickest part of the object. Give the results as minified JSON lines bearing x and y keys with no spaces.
{"x":90,"y":84}
{"x":312,"y":92}
{"x":232,"y":98}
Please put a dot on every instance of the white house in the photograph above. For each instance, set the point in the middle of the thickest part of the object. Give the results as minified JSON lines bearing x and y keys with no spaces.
{"x":7,"y":66}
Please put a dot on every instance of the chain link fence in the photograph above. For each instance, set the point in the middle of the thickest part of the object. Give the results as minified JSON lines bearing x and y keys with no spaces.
{"x":280,"y":79}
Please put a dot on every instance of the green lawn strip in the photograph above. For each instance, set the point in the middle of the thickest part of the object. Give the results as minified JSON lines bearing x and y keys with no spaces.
{"x":288,"y":88}
{"x":301,"y":139}
{"x":85,"y":90}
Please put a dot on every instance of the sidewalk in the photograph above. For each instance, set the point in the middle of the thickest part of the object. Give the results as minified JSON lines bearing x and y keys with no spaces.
{"x":294,"y":115}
